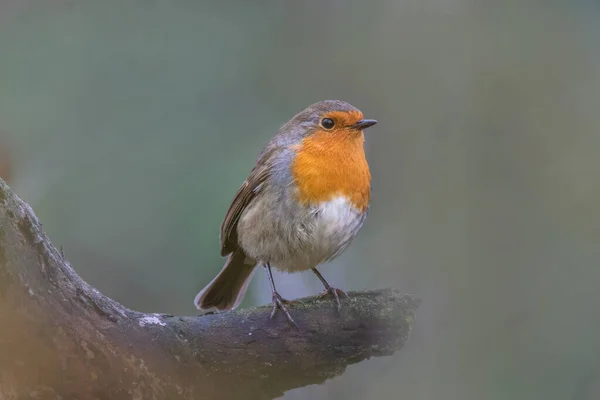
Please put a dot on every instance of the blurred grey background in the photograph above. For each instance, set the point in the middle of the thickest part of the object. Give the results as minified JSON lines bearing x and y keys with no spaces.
{"x":131,"y":124}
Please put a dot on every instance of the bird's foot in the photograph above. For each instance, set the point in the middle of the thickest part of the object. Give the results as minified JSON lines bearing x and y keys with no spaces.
{"x":336,"y":294}
{"x":278,"y":304}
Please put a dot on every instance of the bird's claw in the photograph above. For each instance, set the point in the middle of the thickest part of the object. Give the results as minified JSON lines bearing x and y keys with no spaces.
{"x":336,"y":294}
{"x":278,"y":303}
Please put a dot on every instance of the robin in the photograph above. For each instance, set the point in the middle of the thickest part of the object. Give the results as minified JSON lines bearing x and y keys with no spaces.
{"x":305,"y":200}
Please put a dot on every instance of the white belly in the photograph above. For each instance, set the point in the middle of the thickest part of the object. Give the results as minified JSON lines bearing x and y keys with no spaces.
{"x":336,"y":225}
{"x":311,"y":236}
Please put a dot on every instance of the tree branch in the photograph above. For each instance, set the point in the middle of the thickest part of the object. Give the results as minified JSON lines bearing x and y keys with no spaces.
{"x":61,"y":338}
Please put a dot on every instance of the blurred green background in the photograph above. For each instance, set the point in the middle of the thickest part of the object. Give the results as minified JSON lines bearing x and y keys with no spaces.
{"x":131,"y":125}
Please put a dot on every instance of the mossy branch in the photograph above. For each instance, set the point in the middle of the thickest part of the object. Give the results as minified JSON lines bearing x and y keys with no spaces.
{"x":61,"y":338}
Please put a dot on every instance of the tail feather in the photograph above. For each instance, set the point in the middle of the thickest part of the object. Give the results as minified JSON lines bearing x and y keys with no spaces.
{"x":227,"y":289}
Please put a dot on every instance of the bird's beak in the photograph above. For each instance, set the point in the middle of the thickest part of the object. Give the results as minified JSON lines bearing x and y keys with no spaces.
{"x":364,"y":123}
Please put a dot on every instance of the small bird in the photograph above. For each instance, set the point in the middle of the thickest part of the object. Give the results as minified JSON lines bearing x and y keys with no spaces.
{"x":304,"y":201}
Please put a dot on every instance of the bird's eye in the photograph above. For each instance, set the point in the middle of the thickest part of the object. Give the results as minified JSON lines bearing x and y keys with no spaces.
{"x":327,"y":123}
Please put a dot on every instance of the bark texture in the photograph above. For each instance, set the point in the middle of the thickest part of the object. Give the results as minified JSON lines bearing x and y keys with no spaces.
{"x":62,"y":339}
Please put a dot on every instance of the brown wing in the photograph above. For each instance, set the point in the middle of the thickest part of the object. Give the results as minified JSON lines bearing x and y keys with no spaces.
{"x":251,"y":186}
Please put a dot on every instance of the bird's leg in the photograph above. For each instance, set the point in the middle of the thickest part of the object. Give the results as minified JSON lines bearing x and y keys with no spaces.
{"x":331,"y":290}
{"x":278,"y":301}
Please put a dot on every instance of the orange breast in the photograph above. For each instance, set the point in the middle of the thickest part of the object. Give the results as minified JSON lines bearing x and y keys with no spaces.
{"x":330,"y":164}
